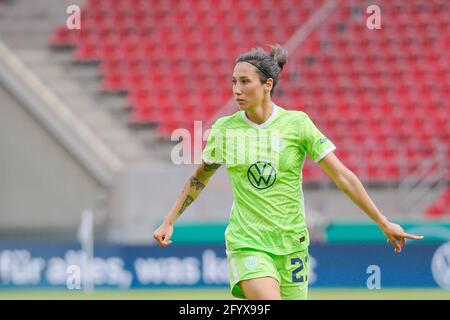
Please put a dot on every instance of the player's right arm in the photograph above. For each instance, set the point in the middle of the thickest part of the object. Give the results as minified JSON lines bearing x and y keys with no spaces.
{"x":191,"y":190}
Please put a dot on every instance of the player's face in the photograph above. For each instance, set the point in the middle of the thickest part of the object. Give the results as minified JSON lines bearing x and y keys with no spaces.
{"x":247,"y":88}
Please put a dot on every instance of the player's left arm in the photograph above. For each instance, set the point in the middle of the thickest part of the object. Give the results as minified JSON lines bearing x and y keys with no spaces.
{"x":350,"y":184}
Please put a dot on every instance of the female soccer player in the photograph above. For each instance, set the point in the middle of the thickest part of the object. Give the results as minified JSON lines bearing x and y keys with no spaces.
{"x":264,"y":148}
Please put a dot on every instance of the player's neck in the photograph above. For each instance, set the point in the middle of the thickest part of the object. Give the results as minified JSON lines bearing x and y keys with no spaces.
{"x":260,"y":114}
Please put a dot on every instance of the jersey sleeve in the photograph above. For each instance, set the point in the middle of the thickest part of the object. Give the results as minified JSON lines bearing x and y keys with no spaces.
{"x":314,"y":142}
{"x":213,"y":151}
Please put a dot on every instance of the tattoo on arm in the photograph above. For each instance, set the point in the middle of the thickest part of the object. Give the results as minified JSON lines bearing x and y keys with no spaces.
{"x":211,"y":166}
{"x":186,"y":203}
{"x":195,"y":182}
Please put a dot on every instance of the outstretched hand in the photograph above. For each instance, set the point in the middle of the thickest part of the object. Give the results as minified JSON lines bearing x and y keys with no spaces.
{"x":397,"y":236}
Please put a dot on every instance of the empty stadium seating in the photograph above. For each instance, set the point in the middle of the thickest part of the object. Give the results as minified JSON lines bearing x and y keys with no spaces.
{"x":385,"y":90}
{"x":440,"y":208}
{"x":172,"y":56}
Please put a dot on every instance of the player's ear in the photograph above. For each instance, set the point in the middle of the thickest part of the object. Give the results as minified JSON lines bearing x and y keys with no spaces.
{"x":268,"y":85}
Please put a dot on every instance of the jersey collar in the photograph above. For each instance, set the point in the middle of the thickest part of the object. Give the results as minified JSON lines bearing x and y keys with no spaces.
{"x":264,"y":124}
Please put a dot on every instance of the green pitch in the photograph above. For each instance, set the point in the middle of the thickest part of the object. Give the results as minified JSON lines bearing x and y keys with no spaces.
{"x":223,"y":294}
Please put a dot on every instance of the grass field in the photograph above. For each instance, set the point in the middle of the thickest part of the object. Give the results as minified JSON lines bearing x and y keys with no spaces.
{"x":223,"y":294}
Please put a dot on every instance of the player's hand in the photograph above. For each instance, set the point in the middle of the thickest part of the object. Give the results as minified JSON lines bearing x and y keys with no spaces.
{"x":397,"y":236}
{"x":163,"y":233}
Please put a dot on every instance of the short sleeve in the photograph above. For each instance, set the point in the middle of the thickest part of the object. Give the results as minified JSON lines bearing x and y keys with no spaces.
{"x":213,"y":151}
{"x":314,"y":142}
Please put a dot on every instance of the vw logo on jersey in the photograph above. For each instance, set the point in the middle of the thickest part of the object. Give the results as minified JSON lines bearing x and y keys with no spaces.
{"x":261,"y":175}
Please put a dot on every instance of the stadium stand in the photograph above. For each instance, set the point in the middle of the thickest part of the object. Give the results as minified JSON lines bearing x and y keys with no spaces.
{"x":148,"y":48}
{"x":164,"y":53}
{"x":397,"y":79}
{"x":381,"y":96}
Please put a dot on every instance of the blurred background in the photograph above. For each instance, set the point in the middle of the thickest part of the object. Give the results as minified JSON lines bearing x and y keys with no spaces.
{"x":91,"y":91}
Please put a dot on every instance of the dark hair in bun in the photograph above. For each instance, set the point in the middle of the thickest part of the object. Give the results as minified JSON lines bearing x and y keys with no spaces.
{"x":268,"y":65}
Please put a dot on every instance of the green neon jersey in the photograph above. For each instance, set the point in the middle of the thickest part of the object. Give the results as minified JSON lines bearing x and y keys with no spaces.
{"x":265,"y":164}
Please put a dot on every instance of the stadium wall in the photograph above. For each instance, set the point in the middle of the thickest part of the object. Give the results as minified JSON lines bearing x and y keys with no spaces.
{"x":43,"y":189}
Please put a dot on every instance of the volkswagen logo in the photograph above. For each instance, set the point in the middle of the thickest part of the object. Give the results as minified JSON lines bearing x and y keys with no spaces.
{"x":261,"y":175}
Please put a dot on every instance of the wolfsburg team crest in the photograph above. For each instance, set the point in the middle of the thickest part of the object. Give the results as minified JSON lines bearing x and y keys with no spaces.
{"x":251,"y":262}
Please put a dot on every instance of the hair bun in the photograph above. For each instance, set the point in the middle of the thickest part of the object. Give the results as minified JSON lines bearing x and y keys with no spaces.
{"x":279,"y":55}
